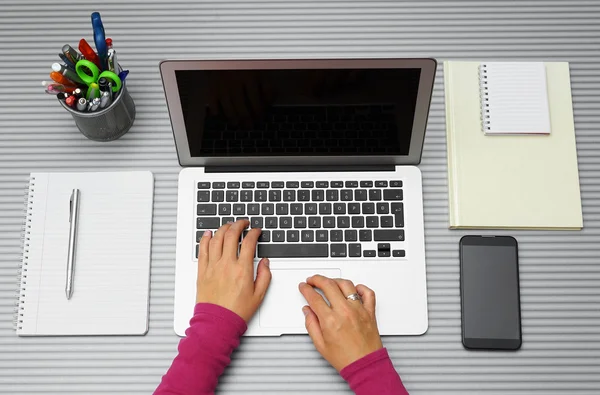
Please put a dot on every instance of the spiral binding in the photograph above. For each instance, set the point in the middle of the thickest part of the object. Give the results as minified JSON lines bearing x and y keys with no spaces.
{"x":19,"y":309}
{"x":485,"y":105}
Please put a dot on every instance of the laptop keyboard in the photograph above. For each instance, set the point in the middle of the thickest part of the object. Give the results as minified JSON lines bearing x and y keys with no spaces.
{"x":309,"y":219}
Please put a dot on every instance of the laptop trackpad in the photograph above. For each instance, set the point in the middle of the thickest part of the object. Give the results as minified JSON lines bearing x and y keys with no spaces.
{"x":282,"y":307}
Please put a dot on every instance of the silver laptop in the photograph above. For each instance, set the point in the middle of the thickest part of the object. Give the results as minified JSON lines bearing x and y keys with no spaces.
{"x":321,"y":155}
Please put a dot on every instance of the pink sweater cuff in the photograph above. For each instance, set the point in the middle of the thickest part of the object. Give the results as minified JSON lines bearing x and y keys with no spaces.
{"x":229,"y":324}
{"x":374,"y":374}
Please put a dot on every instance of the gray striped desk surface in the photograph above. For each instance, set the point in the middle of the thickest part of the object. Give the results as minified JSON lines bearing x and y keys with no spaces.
{"x":560,"y":271}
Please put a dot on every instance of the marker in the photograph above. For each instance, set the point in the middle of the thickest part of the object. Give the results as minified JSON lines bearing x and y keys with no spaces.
{"x":99,"y":39}
{"x":109,"y":43}
{"x":55,"y":87}
{"x":105,"y":99}
{"x":71,"y":101}
{"x":66,"y":60}
{"x":62,"y":96}
{"x":88,"y":52}
{"x":82,"y":104}
{"x":78,"y":93}
{"x":61,"y":79}
{"x":93,"y":92}
{"x":71,"y":54}
{"x":70,"y":74}
{"x":95,"y":104}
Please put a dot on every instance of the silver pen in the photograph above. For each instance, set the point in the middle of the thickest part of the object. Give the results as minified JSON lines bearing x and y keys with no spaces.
{"x":73,"y":219}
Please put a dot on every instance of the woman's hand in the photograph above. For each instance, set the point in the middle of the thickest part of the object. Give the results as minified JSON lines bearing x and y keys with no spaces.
{"x":345,"y":331}
{"x":226,"y":279}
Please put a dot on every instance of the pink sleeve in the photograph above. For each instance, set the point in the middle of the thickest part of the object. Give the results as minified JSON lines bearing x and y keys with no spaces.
{"x":213,"y":334}
{"x":374,"y":374}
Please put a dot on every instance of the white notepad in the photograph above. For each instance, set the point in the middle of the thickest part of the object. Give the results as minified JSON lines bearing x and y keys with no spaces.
{"x":112,"y":260}
{"x":514,"y":98}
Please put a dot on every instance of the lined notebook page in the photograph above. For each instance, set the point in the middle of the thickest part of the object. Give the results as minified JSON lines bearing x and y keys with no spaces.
{"x":112,"y":261}
{"x":514,"y":98}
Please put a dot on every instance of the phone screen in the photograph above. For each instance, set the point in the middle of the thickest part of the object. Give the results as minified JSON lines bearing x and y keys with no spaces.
{"x":490,"y":293}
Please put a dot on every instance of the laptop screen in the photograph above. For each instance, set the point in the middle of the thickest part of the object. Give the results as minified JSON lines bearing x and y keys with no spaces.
{"x":309,"y":112}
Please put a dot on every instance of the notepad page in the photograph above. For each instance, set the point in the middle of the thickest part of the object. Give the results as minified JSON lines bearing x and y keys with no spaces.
{"x":112,"y":260}
{"x":514,"y":98}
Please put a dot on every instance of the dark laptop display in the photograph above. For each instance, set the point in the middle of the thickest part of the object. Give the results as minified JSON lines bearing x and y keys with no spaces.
{"x":298,"y":112}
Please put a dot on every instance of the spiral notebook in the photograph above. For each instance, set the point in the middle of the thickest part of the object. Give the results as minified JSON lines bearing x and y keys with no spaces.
{"x":112,"y":258}
{"x":514,"y":98}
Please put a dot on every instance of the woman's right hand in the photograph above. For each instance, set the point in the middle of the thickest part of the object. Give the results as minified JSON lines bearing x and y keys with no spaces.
{"x":346,"y":330}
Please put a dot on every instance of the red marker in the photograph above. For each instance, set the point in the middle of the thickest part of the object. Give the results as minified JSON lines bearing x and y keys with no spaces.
{"x":88,"y":52}
{"x":71,"y":101}
{"x":109,"y":43}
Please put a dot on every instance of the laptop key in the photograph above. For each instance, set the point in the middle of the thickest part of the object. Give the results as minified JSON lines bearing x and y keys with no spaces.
{"x":303,"y":195}
{"x":308,"y":236}
{"x":206,"y":209}
{"x":204,"y":185}
{"x":329,"y":222}
{"x":358,"y":222}
{"x":383,"y":250}
{"x":322,"y":235}
{"x":271,"y":222}
{"x":208,"y":223}
{"x":350,"y":235}
{"x":392,"y":194}
{"x":292,"y":184}
{"x":314,"y":222}
{"x":383,"y":208}
{"x":381,"y":184}
{"x":337,"y":184}
{"x":256,"y":222}
{"x":296,"y":209}
{"x":324,"y":208}
{"x":365,"y":235}
{"x":308,"y":184}
{"x":353,"y":208}
{"x":253,"y":209}
{"x":274,"y":195}
{"x":354,"y":250}
{"x":332,"y":195}
{"x":388,"y":235}
{"x":262,"y":184}
{"x":310,"y":208}
{"x":374,"y":194}
{"x":276,"y":184}
{"x":218,"y":185}
{"x":265,"y":236}
{"x":351,"y":184}
{"x":289,"y":195}
{"x":399,"y":253}
{"x":338,"y":250}
{"x":396,"y":184}
{"x":260,"y":195}
{"x":285,"y":222}
{"x":369,"y":253}
{"x":308,"y":250}
{"x":203,"y":196}
{"x":233,"y":185}
{"x":368,"y":208}
{"x":268,"y":208}
{"x":366,"y":184}
{"x":387,"y":221}
{"x":239,"y":209}
{"x":360,"y":195}
{"x":197,"y":250}
{"x":248,"y":185}
{"x":372,"y":221}
{"x":227,"y":220}
{"x":281,"y":209}
{"x":246,"y":196}
{"x":343,"y":222}
{"x":318,"y":195}
{"x":346,"y":195}
{"x":336,"y":235}
{"x":278,"y":236}
{"x":299,"y":222}
{"x":339,"y":208}
{"x":293,"y":236}
{"x":225,"y":209}
{"x":218,"y":196}
{"x":322,"y":184}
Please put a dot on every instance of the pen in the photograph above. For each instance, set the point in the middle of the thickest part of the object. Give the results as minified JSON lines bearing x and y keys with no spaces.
{"x":88,"y":52}
{"x":112,"y":60}
{"x":73,"y":218}
{"x":70,"y":74}
{"x":95,"y":104}
{"x":77,"y":93}
{"x":62,"y":96}
{"x":93,"y":91}
{"x":109,"y":42}
{"x":99,"y":38}
{"x":105,"y":99}
{"x":61,"y":79}
{"x":123,"y":74}
{"x":71,"y":101}
{"x":71,"y":54}
{"x":112,"y":95}
{"x":66,"y":60}
{"x":55,"y":87}
{"x":82,"y":104}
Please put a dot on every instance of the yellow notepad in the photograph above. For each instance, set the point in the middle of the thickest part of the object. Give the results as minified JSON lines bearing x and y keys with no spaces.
{"x":510,"y":181}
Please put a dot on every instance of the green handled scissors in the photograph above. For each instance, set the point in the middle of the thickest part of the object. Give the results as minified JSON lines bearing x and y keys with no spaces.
{"x":90,"y":73}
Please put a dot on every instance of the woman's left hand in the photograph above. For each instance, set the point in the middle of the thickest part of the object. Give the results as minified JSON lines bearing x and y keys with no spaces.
{"x":226,"y":279}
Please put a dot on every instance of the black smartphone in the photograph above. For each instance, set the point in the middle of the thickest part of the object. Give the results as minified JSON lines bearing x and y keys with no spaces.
{"x":489,"y":293}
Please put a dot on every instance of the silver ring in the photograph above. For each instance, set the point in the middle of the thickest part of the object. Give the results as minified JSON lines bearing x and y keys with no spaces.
{"x":354,"y":296}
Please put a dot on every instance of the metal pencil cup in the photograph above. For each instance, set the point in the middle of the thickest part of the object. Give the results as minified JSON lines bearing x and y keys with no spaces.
{"x":109,"y":123}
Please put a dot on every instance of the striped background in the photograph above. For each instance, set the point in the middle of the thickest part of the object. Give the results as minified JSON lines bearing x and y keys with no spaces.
{"x":560,"y":271}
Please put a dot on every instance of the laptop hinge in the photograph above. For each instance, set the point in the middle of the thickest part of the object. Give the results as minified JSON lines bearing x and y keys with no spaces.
{"x":314,"y":168}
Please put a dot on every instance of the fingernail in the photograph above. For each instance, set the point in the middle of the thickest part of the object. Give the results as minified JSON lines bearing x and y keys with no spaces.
{"x":229,"y":222}
{"x":305,"y":311}
{"x":207,"y":233}
{"x":266,"y":262}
